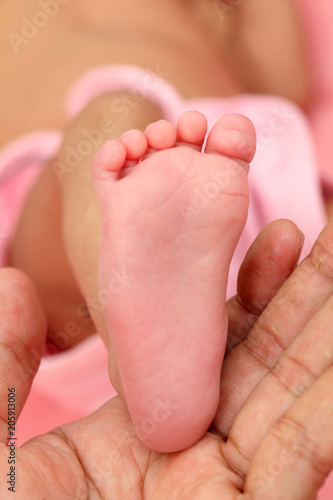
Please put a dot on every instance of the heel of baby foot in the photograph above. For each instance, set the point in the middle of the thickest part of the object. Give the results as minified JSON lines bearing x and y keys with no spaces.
{"x":172,"y":426}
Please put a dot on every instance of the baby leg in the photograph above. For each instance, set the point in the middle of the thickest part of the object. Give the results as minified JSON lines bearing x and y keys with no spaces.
{"x":57,"y":239}
{"x":80,"y":208}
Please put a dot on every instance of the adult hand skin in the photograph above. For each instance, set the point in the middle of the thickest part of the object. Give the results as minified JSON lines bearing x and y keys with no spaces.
{"x":275,"y":396}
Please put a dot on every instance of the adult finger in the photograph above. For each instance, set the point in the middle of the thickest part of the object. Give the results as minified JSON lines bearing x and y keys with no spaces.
{"x":308,"y":357}
{"x":268,"y":263}
{"x":304,"y":292}
{"x":22,"y":338}
{"x":296,"y":456}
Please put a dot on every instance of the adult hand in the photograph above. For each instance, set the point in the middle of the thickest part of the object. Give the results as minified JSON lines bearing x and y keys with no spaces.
{"x":100,"y":457}
{"x":276,"y":406}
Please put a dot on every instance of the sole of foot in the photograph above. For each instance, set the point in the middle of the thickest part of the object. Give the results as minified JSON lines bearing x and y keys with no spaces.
{"x":172,"y":212}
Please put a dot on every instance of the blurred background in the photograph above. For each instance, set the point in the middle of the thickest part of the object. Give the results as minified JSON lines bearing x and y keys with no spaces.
{"x":46,"y":45}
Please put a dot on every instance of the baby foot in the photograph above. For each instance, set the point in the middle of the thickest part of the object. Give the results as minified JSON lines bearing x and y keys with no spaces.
{"x":171,"y":218}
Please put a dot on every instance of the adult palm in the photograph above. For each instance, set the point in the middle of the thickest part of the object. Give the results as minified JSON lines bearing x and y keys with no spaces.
{"x":274,"y":398}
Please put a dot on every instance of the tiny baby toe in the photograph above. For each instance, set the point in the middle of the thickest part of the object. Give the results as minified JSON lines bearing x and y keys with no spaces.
{"x":135,"y":143}
{"x":161,"y":135}
{"x":109,"y":160}
{"x":191,"y":128}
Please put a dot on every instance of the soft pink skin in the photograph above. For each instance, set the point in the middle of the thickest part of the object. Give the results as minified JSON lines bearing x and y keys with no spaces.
{"x":170,"y":225}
